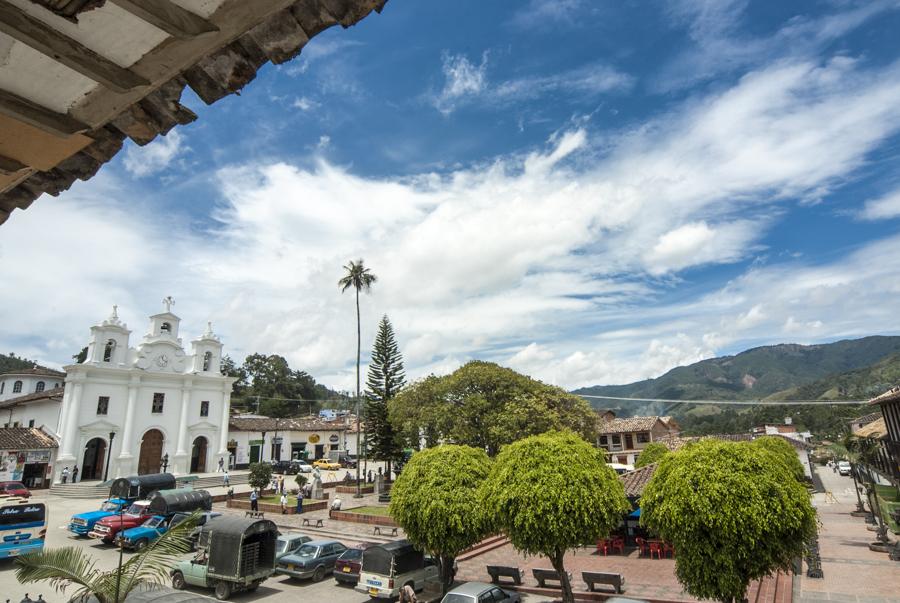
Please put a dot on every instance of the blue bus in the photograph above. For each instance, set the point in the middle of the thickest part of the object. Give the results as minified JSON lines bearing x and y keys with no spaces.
{"x":23,"y":527}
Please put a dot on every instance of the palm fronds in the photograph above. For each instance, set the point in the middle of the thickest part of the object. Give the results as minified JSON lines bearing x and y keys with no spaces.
{"x":62,"y":567}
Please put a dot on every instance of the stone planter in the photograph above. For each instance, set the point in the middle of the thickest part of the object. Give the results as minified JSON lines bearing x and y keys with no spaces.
{"x":374,"y":520}
{"x":275,"y":509}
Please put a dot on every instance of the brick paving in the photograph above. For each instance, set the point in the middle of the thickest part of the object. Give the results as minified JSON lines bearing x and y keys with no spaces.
{"x":852,"y":572}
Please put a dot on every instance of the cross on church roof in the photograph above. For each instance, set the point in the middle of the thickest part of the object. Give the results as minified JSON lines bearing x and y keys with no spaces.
{"x":168,"y":301}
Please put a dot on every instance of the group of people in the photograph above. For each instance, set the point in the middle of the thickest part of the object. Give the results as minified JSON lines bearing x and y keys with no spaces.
{"x":65,"y":474}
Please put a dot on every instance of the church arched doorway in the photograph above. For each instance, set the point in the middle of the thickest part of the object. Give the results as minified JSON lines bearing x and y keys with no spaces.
{"x":93,"y":459}
{"x":150,"y":460}
{"x":198,"y":455}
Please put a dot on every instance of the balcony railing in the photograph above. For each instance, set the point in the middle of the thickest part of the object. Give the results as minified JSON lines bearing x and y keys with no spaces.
{"x":887,"y":459}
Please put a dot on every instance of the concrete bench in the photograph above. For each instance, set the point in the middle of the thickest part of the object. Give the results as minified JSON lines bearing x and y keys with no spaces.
{"x":498,"y":571}
{"x":378,"y":529}
{"x":319,"y":522}
{"x":617,"y":581}
{"x":542,"y":575}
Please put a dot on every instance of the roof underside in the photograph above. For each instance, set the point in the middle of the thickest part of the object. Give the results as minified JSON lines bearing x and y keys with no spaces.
{"x":78,"y":76}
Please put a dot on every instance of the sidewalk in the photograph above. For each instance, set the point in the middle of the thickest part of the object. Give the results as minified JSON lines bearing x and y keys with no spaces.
{"x":852,"y":572}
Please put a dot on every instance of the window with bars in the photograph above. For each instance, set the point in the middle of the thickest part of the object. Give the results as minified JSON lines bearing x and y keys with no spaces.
{"x":17,"y":387}
{"x":158,"y":401}
{"x":39,"y":387}
{"x":103,"y":405}
{"x":204,"y":408}
{"x":31,"y":422}
{"x":643,"y":437}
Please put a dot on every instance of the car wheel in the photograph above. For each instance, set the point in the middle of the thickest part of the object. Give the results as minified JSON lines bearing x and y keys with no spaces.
{"x":141,"y":544}
{"x":253,"y":587}
{"x":319,"y":574}
{"x":178,"y":581}
{"x":223,"y":590}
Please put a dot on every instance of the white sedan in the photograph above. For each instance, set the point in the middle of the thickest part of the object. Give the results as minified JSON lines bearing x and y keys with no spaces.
{"x":303,"y":467}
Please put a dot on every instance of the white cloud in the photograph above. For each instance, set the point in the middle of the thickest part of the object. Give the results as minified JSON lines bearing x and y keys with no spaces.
{"x":883,"y":208}
{"x":462,"y":78}
{"x":155,"y":156}
{"x":540,"y":13}
{"x":558,"y":259}
{"x":304,"y":103}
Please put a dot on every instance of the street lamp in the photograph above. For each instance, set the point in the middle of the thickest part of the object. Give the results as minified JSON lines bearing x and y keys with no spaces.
{"x":262,"y":449}
{"x":165,"y":462}
{"x":275,"y":443}
{"x":112,"y":434}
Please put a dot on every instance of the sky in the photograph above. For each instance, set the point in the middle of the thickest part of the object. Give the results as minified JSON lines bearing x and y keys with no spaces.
{"x":590,"y":192}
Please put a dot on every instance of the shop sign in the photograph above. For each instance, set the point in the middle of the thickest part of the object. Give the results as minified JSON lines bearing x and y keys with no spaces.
{"x":37,"y":456}
{"x":314,"y":438}
{"x":334,"y":439}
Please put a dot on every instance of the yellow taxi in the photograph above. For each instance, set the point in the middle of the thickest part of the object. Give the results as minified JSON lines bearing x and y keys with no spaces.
{"x":327,"y":465}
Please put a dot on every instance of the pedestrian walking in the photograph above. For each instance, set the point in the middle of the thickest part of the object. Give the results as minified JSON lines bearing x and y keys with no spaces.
{"x":408,"y":595}
{"x":225,"y":479}
{"x":65,"y":474}
{"x":254,"y":501}
{"x":283,"y":503}
{"x":75,"y":474}
{"x":371,"y":477}
{"x":221,"y":465}
{"x":300,"y":501}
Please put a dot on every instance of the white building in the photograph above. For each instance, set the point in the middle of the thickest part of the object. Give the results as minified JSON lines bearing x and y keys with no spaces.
{"x":254,"y":438}
{"x":34,"y":380}
{"x":152,"y":403}
{"x":40,"y":409}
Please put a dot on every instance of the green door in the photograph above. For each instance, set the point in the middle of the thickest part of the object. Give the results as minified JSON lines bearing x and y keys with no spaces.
{"x":254,"y":453}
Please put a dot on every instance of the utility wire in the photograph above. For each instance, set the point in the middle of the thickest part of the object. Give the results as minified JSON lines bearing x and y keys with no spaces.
{"x":732,"y":402}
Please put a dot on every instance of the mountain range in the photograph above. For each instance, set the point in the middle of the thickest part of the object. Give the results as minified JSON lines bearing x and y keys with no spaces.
{"x":851,"y":369}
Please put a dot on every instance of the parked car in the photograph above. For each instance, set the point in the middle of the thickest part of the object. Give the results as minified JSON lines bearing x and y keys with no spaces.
{"x":149,"y":531}
{"x":14,"y":489}
{"x":235,"y":554}
{"x":327,"y":464}
{"x":347,"y":566}
{"x":480,"y":592}
{"x":386,"y":568}
{"x":284,"y":467}
{"x":82,"y":523}
{"x":313,"y":560}
{"x":844,"y":468}
{"x":108,"y":527}
{"x":289,"y":543}
{"x":303,"y":467}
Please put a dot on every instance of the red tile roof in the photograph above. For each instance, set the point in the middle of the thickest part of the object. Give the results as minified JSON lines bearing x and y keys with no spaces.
{"x":47,"y":394}
{"x":269,"y":425}
{"x":635,"y":481}
{"x":36,"y":371}
{"x":25,"y":438}
{"x":892,"y":395}
{"x":628,"y":425}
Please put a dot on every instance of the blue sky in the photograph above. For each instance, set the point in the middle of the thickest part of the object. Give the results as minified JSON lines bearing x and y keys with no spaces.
{"x":589,"y":192}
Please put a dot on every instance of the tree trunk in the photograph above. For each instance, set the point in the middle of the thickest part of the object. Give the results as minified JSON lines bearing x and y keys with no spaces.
{"x":557,"y":561}
{"x":446,"y":573}
{"x":859,"y":503}
{"x":358,"y":417}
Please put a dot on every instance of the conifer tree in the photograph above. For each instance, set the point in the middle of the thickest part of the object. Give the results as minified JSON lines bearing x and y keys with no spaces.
{"x":386,"y":377}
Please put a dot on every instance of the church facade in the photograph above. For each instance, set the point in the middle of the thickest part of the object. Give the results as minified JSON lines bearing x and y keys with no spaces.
{"x":144,"y":407}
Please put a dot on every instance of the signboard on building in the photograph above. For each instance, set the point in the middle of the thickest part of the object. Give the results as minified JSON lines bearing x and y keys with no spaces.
{"x":37,"y":456}
{"x":314,"y":438}
{"x":278,"y":440}
{"x":334,"y":439}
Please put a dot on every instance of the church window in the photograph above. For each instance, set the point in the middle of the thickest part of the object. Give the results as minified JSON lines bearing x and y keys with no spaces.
{"x":158,"y":401}
{"x":207,"y":360}
{"x":39,"y":387}
{"x":204,"y":408}
{"x":17,"y":387}
{"x":31,"y":423}
{"x":108,"y":350}
{"x":103,"y":405}
{"x":165,"y":328}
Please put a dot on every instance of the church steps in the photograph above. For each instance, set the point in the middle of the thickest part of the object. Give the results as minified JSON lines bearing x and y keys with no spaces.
{"x":95,"y":490}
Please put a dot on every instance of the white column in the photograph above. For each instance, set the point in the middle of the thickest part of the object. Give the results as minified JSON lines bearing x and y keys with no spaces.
{"x":223,"y":425}
{"x":181,"y":453}
{"x":64,"y":410}
{"x":127,"y":442}
{"x":70,"y":433}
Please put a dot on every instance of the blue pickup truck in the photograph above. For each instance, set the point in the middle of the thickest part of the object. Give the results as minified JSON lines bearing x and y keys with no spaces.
{"x":139,"y":537}
{"x":83,"y":523}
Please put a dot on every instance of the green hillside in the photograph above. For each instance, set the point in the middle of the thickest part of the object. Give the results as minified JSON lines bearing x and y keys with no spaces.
{"x":848,"y":369}
{"x":11,"y":362}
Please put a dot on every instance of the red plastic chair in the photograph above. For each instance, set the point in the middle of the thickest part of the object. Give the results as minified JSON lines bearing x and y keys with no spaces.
{"x":668,"y":548}
{"x":602,"y":545}
{"x":642,"y":546}
{"x":618,"y":544}
{"x":655,"y":547}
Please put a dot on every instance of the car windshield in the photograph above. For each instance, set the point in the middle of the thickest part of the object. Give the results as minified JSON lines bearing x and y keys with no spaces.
{"x":135,"y":509}
{"x":457,"y":598}
{"x":153,"y":522}
{"x":109,"y":506}
{"x":351,"y":554}
{"x":15,"y":486}
{"x":307,"y":551}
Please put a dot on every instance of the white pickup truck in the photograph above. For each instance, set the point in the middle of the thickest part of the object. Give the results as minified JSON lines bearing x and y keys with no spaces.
{"x":844,"y":467}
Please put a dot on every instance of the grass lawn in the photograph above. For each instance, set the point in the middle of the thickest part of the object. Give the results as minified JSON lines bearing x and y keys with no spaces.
{"x":383,"y":511}
{"x":276,"y":500}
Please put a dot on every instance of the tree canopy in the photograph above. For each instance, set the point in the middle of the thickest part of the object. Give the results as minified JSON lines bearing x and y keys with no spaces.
{"x":552,"y":492}
{"x":733,"y":512}
{"x":785,"y":451}
{"x":487,"y":406}
{"x":260,"y":475}
{"x":435,"y":500}
{"x":386,"y":377}
{"x":651,"y":453}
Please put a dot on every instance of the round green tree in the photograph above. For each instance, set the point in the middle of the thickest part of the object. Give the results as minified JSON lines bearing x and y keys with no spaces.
{"x":733,"y":512}
{"x":650,"y":454}
{"x":785,"y":450}
{"x":553,"y":492}
{"x":436,"y":501}
{"x":260,"y":475}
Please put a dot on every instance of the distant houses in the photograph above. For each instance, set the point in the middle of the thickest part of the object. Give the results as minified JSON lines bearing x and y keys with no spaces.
{"x":623,"y":439}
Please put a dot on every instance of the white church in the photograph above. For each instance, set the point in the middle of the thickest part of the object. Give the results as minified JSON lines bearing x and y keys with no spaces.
{"x":150,"y":405}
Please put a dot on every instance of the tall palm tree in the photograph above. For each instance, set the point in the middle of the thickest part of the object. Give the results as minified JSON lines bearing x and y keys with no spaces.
{"x":67,"y":566}
{"x":360,"y":278}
